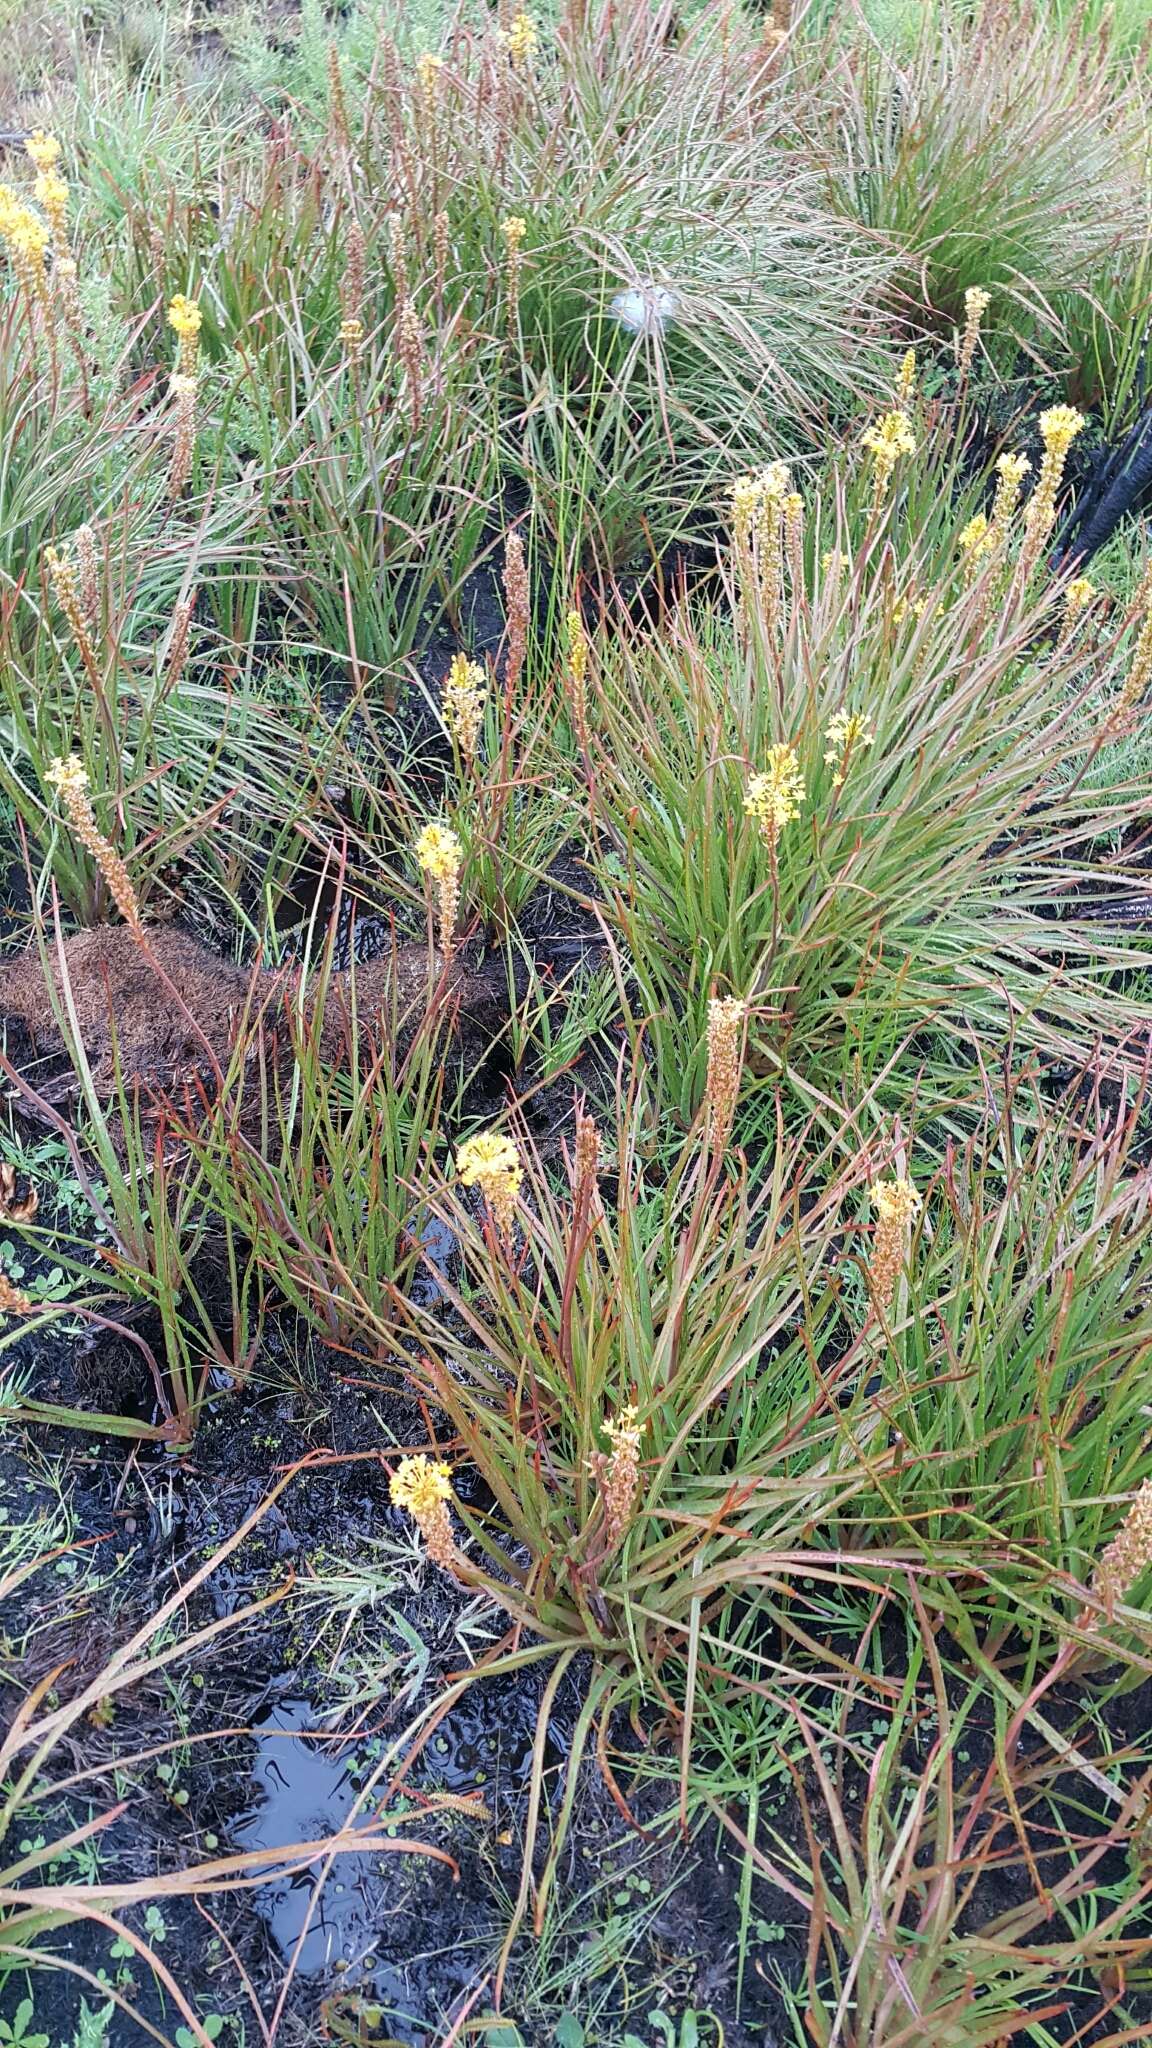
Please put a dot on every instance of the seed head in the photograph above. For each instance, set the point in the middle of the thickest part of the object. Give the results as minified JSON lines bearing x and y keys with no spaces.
{"x":70,"y":778}
{"x":896,"y":1203}
{"x":1129,"y":1553}
{"x":618,"y":1474}
{"x":726,"y":1018}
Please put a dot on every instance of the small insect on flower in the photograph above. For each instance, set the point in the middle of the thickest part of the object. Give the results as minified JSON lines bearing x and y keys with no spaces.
{"x":441,"y":856}
{"x":896,"y":1203}
{"x":886,"y":440}
{"x":465,"y":694}
{"x":490,"y":1162}
{"x":423,"y":1488}
{"x":774,"y":796}
{"x":847,"y":733}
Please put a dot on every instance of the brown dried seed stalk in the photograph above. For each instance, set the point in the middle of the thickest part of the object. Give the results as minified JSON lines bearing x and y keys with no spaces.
{"x":896,"y":1203}
{"x":617,"y":1474}
{"x":1128,"y":1555}
{"x":183,"y":434}
{"x":726,"y":1015}
{"x":67,"y":587}
{"x":516,"y":605}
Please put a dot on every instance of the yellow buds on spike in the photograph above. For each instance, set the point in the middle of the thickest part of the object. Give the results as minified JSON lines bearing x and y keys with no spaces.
{"x":976,"y":304}
{"x":522,"y":40}
{"x":1011,"y":471}
{"x":1059,"y":426}
{"x":43,"y":149}
{"x":905,"y":390}
{"x":185,"y":319}
{"x":617,"y":1474}
{"x":491,"y":1162}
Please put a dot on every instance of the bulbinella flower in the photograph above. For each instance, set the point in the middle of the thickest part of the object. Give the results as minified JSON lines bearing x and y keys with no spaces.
{"x":774,"y":796}
{"x":185,"y":319}
{"x":522,"y":40}
{"x":441,"y":856}
{"x":71,"y":779}
{"x":886,"y":440}
{"x":1128,"y":1555}
{"x":976,"y":304}
{"x":847,"y":733}
{"x":464,"y":697}
{"x":423,"y":1488}
{"x":490,"y":1162}
{"x":617,"y":1474}
{"x":726,"y":1019}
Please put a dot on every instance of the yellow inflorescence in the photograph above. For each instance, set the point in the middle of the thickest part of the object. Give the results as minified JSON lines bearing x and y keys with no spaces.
{"x":185,"y":319}
{"x":441,"y":856}
{"x":490,"y":1162}
{"x":847,"y":733}
{"x":522,"y":40}
{"x":43,"y":149}
{"x":906,"y":380}
{"x":424,"y":1488}
{"x":886,"y":440}
{"x":976,"y":304}
{"x":465,"y":694}
{"x":1059,"y":427}
{"x":71,"y":779}
{"x":774,"y":796}
{"x":618,"y":1474}
{"x":1011,"y":471}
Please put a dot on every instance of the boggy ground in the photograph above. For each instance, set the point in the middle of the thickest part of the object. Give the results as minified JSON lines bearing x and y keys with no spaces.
{"x":265,"y":1736}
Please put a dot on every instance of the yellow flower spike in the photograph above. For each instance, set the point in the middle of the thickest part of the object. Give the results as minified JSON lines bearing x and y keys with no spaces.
{"x":465,"y":694}
{"x":51,"y":193}
{"x":896,"y":1203}
{"x":70,"y":778}
{"x":886,"y":440}
{"x":441,"y":856}
{"x":43,"y":149}
{"x":905,"y":390}
{"x":490,"y":1162}
{"x":1011,"y":471}
{"x":775,"y":795}
{"x":847,"y":733}
{"x":976,"y":304}
{"x":976,"y":541}
{"x":577,"y":648}
{"x":185,"y":320}
{"x":429,"y":71}
{"x":1077,"y":597}
{"x":618,"y":1474}
{"x":513,"y":227}
{"x":351,"y":336}
{"x":522,"y":39}
{"x":423,"y":1488}
{"x":1059,"y":426}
